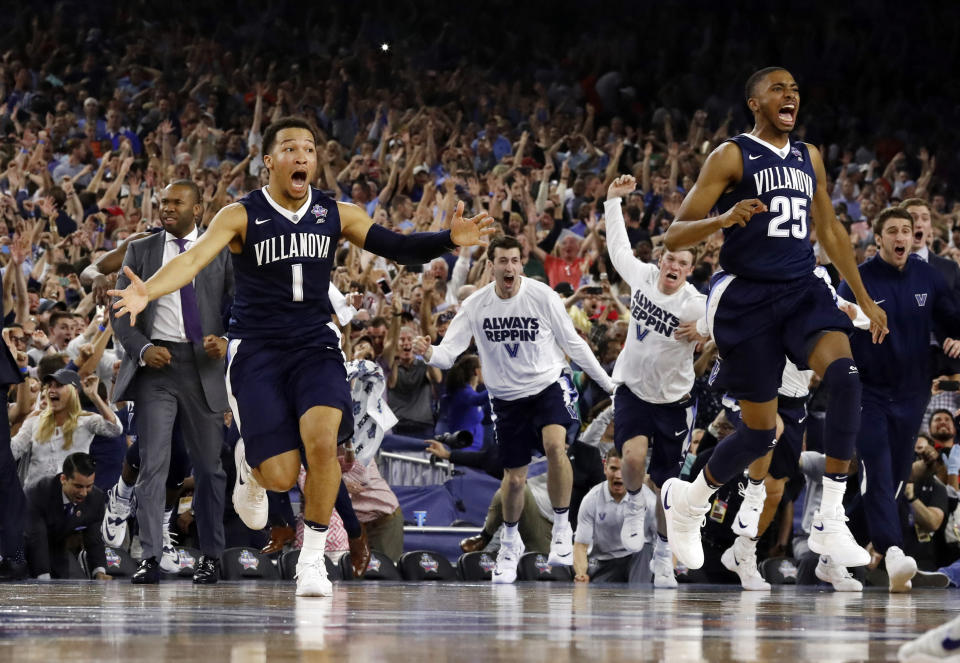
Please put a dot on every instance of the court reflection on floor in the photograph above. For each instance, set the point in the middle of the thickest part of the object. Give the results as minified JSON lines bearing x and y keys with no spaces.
{"x":552,"y":623}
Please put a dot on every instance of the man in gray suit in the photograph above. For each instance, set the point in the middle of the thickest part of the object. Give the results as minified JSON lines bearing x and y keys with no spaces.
{"x":173,"y":367}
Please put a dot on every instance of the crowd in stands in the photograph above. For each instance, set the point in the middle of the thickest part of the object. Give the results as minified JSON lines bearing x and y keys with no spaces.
{"x":102,"y":107}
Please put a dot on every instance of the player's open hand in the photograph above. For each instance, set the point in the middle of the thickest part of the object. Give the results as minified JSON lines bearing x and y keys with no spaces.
{"x":742,"y":212}
{"x":622,"y":186}
{"x":132,"y":299}
{"x":687,"y":331}
{"x":472,"y":231}
{"x":878,"y":321}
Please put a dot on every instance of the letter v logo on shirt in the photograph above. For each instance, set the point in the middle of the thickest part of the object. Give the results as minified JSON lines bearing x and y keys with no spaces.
{"x":512,"y":349}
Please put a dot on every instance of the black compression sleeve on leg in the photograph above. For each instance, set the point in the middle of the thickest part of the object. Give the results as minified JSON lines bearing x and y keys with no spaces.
{"x":412,"y":249}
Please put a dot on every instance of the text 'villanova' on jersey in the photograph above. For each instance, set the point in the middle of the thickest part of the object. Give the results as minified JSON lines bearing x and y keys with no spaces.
{"x":773,"y":245}
{"x":283,"y":273}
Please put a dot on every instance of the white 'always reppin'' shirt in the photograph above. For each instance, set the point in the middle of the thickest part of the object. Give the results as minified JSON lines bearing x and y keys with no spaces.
{"x":653,"y":364}
{"x":519,"y":340}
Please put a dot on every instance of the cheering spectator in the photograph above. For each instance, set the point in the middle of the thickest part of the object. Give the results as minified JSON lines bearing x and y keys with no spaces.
{"x":61,"y":427}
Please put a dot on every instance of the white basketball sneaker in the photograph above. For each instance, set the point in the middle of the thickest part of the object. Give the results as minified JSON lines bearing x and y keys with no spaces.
{"x":741,"y":558}
{"x":684,"y":521}
{"x":829,"y":535}
{"x":900,"y":568}
{"x":634,"y":523}
{"x":561,"y":545}
{"x":249,"y":497}
{"x":114,"y":528}
{"x":312,"y":575}
{"x":939,"y":644}
{"x":662,"y":567}
{"x":747,"y":521}
{"x":837,"y":575}
{"x":170,"y":559}
{"x":505,"y":571}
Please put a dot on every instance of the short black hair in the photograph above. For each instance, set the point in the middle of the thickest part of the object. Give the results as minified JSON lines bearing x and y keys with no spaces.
{"x":289,"y":122}
{"x":194,"y":189}
{"x":79,"y":463}
{"x":890,"y":213}
{"x":503,"y":242}
{"x":755,"y":78}
{"x":938,"y":411}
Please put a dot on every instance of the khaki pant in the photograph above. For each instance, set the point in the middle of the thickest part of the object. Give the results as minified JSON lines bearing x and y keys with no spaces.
{"x":535,"y":530}
{"x":386,"y":534}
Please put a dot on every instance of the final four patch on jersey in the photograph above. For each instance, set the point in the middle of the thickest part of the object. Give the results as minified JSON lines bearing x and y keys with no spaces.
{"x":320,"y":212}
{"x":796,"y":152}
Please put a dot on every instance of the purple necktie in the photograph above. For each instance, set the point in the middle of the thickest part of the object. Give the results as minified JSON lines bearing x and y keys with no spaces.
{"x":188,"y":306}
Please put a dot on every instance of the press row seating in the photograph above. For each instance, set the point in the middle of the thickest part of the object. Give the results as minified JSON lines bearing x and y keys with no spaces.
{"x":417,"y":565}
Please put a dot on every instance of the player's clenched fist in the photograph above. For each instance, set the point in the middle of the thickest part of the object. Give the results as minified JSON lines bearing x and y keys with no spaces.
{"x":423,"y":347}
{"x":740,"y":213}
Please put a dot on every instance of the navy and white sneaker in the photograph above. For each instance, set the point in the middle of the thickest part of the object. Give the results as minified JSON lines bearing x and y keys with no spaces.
{"x":939,"y":644}
{"x":118,"y":510}
{"x":684,"y":521}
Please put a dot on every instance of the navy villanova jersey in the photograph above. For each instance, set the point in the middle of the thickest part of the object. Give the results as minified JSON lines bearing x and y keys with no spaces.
{"x":282,"y":275}
{"x":774,"y":245}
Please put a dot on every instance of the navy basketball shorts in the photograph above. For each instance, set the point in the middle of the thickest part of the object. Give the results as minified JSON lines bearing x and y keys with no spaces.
{"x":757,"y":323}
{"x":271,"y":385}
{"x":785,"y":463}
{"x":666,"y":426}
{"x":518,"y":425}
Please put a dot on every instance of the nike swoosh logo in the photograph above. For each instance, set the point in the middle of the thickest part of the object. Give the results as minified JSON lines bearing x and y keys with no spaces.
{"x":666,"y":500}
{"x":801,"y":420}
{"x":741,"y":525}
{"x":261,"y":221}
{"x":880,"y":301}
{"x":567,"y":555}
{"x":754,"y":156}
{"x":679,"y":433}
{"x":240,"y":479}
{"x":950,"y":644}
{"x":819,"y":529}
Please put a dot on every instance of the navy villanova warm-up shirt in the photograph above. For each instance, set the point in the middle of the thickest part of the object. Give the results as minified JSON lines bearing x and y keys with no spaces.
{"x":283,"y":273}
{"x":913,"y":299}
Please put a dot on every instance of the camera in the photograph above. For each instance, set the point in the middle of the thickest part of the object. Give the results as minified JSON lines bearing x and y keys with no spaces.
{"x":460,"y":439}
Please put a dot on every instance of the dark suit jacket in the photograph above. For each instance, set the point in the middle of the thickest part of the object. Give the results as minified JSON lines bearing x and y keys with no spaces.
{"x":214,"y":288}
{"x":48,"y":526}
{"x":9,"y":371}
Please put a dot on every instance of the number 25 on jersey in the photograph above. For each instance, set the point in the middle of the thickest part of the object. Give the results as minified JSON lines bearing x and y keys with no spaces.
{"x":792,"y":211}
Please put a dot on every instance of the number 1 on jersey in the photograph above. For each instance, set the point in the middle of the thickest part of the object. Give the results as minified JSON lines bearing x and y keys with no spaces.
{"x":297,"y":286}
{"x":787,"y":210}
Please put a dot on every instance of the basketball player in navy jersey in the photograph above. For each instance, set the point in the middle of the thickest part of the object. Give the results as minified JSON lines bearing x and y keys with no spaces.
{"x":285,"y":371}
{"x":766,"y":304}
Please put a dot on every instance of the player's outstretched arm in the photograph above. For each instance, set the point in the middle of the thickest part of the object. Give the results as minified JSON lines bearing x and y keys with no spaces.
{"x":415,"y":248}
{"x":835,"y":240}
{"x":723,"y":168}
{"x":568,"y":339}
{"x":618,"y":243}
{"x":95,"y":274}
{"x":226,"y":225}
{"x":454,"y":342}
